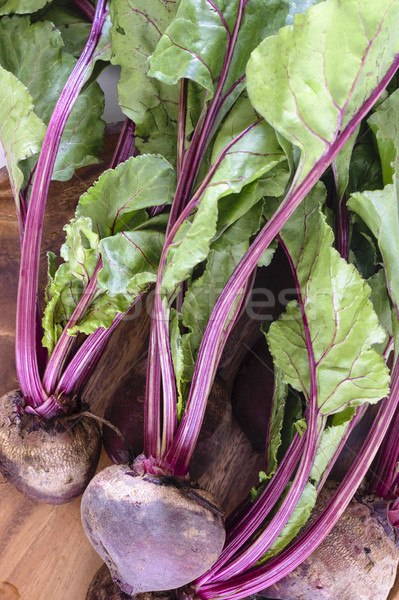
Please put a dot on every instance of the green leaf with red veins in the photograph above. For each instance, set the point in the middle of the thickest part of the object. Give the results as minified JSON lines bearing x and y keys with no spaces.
{"x":73,"y":26}
{"x":208,"y":42}
{"x":81,"y":250}
{"x":341,"y":322}
{"x":144,"y":22}
{"x":66,"y":285}
{"x":8,"y":7}
{"x":21,"y":130}
{"x":130,"y":261}
{"x":152,"y":105}
{"x":247,"y":148}
{"x":117,"y":201}
{"x":39,"y":61}
{"x":62,"y":295}
{"x":101,"y":313}
{"x":312,"y":78}
{"x":194,"y":44}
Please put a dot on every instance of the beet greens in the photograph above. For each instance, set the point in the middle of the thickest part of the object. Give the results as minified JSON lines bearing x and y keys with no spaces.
{"x":257,"y":155}
{"x":252,"y":123}
{"x":302,"y":342}
{"x":51,"y":125}
{"x":83,"y":294}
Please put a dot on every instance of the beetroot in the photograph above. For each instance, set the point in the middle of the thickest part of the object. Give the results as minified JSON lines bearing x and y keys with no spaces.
{"x":357,"y":560}
{"x":125,"y":410}
{"x":48,"y":460}
{"x":153,"y":532}
{"x":103,"y":588}
{"x":252,"y":394}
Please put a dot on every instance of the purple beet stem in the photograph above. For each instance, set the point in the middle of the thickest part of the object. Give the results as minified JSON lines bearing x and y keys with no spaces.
{"x":225,"y":568}
{"x":86,"y":8}
{"x":257,"y":579}
{"x":181,"y":450}
{"x":189,"y":164}
{"x":65,"y":342}
{"x":125,"y":147}
{"x":160,"y":331}
{"x":385,"y":481}
{"x":25,"y":341}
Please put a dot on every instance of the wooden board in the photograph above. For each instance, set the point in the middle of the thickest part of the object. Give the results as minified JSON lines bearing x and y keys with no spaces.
{"x":44,"y":553}
{"x":394,"y":595}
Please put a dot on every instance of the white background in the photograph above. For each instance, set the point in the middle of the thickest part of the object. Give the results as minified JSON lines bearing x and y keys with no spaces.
{"x":108,"y":80}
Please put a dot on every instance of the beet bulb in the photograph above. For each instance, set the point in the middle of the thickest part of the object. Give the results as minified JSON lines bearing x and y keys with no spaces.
{"x":357,"y":560}
{"x":103,"y":588}
{"x":154,"y":533}
{"x":252,"y":394}
{"x":49,"y":461}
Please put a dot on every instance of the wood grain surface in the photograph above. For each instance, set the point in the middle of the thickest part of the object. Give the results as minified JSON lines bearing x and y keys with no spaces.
{"x":44,"y":554}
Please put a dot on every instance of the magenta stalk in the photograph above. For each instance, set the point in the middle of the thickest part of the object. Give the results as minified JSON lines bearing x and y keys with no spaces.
{"x":25,"y":342}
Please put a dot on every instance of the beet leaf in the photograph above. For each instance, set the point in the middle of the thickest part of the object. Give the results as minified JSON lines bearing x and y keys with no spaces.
{"x":41,"y":63}
{"x":151,"y":105}
{"x":21,"y":6}
{"x":22,"y":130}
{"x":340,"y":318}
